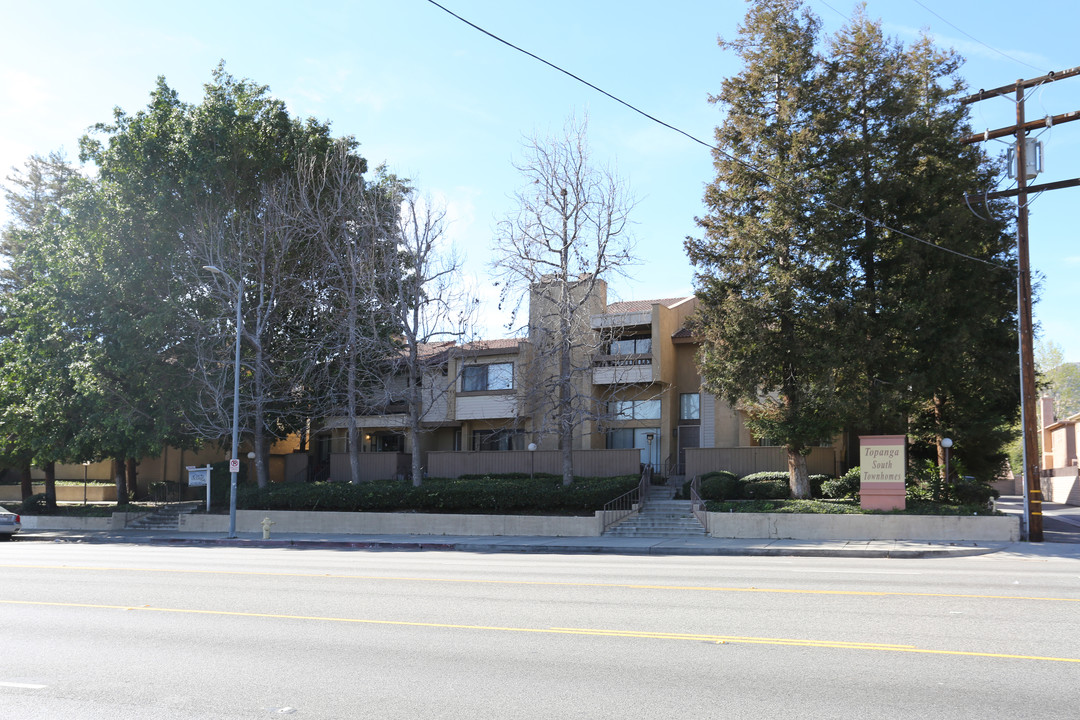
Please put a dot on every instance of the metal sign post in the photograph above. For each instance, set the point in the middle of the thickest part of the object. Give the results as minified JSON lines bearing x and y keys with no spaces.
{"x":200,"y":477}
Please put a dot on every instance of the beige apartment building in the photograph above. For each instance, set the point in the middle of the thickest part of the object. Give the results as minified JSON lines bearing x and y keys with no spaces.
{"x":635,"y":385}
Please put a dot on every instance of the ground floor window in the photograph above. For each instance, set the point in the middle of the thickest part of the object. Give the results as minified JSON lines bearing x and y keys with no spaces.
{"x":645,"y":439}
{"x":387,"y":442}
{"x":498,"y":440}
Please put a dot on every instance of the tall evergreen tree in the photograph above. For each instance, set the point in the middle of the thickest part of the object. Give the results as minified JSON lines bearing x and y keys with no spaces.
{"x":901,"y":337}
{"x":934,"y":330}
{"x":771,"y":298}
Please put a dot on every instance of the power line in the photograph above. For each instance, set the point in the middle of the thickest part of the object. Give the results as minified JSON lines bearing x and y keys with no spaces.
{"x":988,"y":47}
{"x":743,"y":163}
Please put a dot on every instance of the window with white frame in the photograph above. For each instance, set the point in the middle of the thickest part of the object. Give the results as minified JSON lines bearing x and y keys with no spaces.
{"x":491,"y":376}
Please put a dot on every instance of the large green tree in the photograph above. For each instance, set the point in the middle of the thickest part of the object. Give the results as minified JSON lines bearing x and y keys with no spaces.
{"x":42,"y":363}
{"x":934,"y":328}
{"x":771,"y":299}
{"x":826,"y":174}
{"x":186,"y":184}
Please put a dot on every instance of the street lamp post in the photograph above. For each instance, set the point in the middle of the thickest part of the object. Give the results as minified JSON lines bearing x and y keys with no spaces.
{"x":532,"y":460}
{"x":946,"y":443}
{"x":649,"y":439}
{"x":234,"y":459}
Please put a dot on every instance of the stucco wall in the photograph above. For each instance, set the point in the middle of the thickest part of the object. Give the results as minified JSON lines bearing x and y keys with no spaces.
{"x":864,"y":527}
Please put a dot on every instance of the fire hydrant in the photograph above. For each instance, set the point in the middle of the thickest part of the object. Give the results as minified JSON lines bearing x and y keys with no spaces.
{"x":266,"y":523}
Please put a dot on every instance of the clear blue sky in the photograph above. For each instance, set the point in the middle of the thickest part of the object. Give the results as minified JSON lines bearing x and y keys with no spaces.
{"x":446,"y":106}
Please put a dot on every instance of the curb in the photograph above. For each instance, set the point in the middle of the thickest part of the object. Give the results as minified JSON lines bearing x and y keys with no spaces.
{"x":528,"y":549}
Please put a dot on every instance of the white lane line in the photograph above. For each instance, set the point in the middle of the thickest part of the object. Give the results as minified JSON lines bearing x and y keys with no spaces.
{"x":23,"y":686}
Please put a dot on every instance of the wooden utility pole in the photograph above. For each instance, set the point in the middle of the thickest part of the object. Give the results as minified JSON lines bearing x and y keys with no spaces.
{"x":1032,"y":473}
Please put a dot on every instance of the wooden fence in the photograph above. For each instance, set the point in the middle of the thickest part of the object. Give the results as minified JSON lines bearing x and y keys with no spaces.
{"x":587,"y":463}
{"x":746,"y":460}
{"x":373,"y":466}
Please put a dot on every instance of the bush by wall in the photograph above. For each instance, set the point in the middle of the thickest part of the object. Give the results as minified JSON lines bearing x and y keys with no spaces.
{"x":846,"y":486}
{"x":480,"y":495}
{"x":722,"y":485}
{"x":221,"y":483}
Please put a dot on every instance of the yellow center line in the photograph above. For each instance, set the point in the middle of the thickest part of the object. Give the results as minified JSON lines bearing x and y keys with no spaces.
{"x":539,"y":583}
{"x":635,"y":634}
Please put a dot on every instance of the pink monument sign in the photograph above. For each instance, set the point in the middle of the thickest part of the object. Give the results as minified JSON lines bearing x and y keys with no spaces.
{"x":882,"y":465}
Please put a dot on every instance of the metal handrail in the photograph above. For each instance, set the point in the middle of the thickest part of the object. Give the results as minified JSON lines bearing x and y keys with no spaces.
{"x":697,"y":506}
{"x":629,"y":502}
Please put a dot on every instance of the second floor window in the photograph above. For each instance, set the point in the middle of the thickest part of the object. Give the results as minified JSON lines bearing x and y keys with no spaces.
{"x":493,"y":376}
{"x":635,"y":409}
{"x":690,"y":406}
{"x":631,"y":346}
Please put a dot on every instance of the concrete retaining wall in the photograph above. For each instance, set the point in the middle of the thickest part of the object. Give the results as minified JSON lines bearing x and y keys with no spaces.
{"x":49,"y":522}
{"x":64,"y":493}
{"x":864,"y":527}
{"x":722,"y":525}
{"x":248,"y":521}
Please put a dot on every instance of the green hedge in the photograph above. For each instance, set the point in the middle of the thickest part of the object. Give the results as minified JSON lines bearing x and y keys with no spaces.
{"x":481,"y":495}
{"x":723,"y":485}
{"x":843,"y":487}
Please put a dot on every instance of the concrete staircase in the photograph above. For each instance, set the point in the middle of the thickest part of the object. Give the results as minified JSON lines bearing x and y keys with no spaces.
{"x":660,"y":516}
{"x":165,"y":517}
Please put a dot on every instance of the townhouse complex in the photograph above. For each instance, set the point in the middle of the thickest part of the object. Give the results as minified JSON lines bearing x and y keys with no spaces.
{"x":633,"y":384}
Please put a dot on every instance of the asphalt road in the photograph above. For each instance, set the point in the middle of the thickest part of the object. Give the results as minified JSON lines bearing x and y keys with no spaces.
{"x":140,"y":632}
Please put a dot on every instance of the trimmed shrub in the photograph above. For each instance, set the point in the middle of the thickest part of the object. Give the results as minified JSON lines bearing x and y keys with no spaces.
{"x":769,"y":476}
{"x":846,"y":486}
{"x":816,"y":482}
{"x":969,"y":491}
{"x":720,"y":485}
{"x":33,"y":505}
{"x":767,"y":490}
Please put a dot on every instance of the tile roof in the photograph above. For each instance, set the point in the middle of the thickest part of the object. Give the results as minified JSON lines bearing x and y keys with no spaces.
{"x":434,"y":349}
{"x":496,"y":344}
{"x":643,"y":305}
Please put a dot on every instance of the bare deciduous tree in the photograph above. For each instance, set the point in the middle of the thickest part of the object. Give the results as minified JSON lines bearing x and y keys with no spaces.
{"x":258,"y":249}
{"x":569,"y":233}
{"x":430,"y":309}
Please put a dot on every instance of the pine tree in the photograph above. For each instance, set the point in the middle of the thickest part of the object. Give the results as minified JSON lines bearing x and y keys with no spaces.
{"x":813,"y":302}
{"x":771,"y":300}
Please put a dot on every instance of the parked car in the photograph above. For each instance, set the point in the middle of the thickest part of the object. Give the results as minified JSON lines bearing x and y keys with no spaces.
{"x":9,"y":524}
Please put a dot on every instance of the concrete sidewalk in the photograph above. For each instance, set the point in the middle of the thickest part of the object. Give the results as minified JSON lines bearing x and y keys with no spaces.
{"x":556,"y":545}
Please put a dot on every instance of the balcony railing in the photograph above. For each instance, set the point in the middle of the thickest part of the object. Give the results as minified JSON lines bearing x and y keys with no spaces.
{"x":621,"y":360}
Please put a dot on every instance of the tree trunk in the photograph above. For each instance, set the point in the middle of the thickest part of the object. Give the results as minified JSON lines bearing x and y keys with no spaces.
{"x":50,"y":486}
{"x":121,"y":481}
{"x":416,"y":467}
{"x":566,"y":411}
{"x":26,"y":480}
{"x":800,"y":478}
{"x":132,"y":478}
{"x":262,"y":469}
{"x":258,"y":425}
